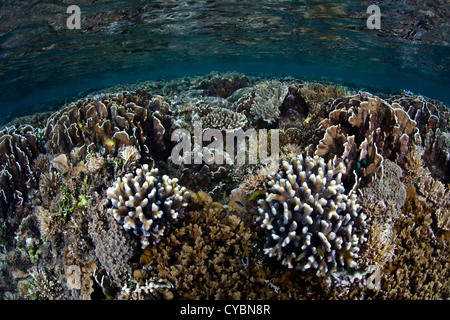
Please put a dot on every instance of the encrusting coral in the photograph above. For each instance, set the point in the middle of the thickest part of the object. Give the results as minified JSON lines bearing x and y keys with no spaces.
{"x":147,"y":204}
{"x":311,"y":222}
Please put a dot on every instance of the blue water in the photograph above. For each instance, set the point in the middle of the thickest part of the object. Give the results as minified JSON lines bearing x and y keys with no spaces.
{"x":43,"y":63}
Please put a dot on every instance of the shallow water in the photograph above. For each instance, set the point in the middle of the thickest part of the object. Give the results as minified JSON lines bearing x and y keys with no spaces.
{"x":43,"y":62}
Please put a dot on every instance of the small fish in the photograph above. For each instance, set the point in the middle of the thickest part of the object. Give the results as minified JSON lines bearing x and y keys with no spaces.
{"x":261,"y":272}
{"x":81,"y":126}
{"x":109,"y":142}
{"x":255,"y":194}
{"x":300,"y":256}
{"x":320,"y":252}
{"x":245,"y":249}
{"x":239,"y":203}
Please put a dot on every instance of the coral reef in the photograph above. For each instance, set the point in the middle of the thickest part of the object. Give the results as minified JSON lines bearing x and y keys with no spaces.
{"x":312,"y":223}
{"x":147,"y":204}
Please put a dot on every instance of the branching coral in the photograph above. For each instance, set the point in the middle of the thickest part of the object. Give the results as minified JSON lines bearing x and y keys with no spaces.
{"x":438,"y":195}
{"x":212,"y":255}
{"x":147,"y":204}
{"x":310,"y":219}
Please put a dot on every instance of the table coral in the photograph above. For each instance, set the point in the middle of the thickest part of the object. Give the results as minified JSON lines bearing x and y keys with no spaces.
{"x":147,"y":204}
{"x":312,"y":223}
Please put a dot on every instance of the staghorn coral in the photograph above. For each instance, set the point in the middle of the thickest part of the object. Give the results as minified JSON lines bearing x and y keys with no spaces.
{"x":147,"y":204}
{"x":310,"y":219}
{"x":18,"y":150}
{"x":268,"y":97}
{"x":223,"y":119}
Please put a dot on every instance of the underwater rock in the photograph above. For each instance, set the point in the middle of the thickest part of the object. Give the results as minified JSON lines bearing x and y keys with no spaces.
{"x":223,"y":85}
{"x":312,"y":223}
{"x":147,"y":204}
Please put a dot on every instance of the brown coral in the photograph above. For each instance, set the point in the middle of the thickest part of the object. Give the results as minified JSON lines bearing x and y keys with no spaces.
{"x":18,"y":150}
{"x":363,"y":129}
{"x":108,"y":122}
{"x":433,"y":121}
